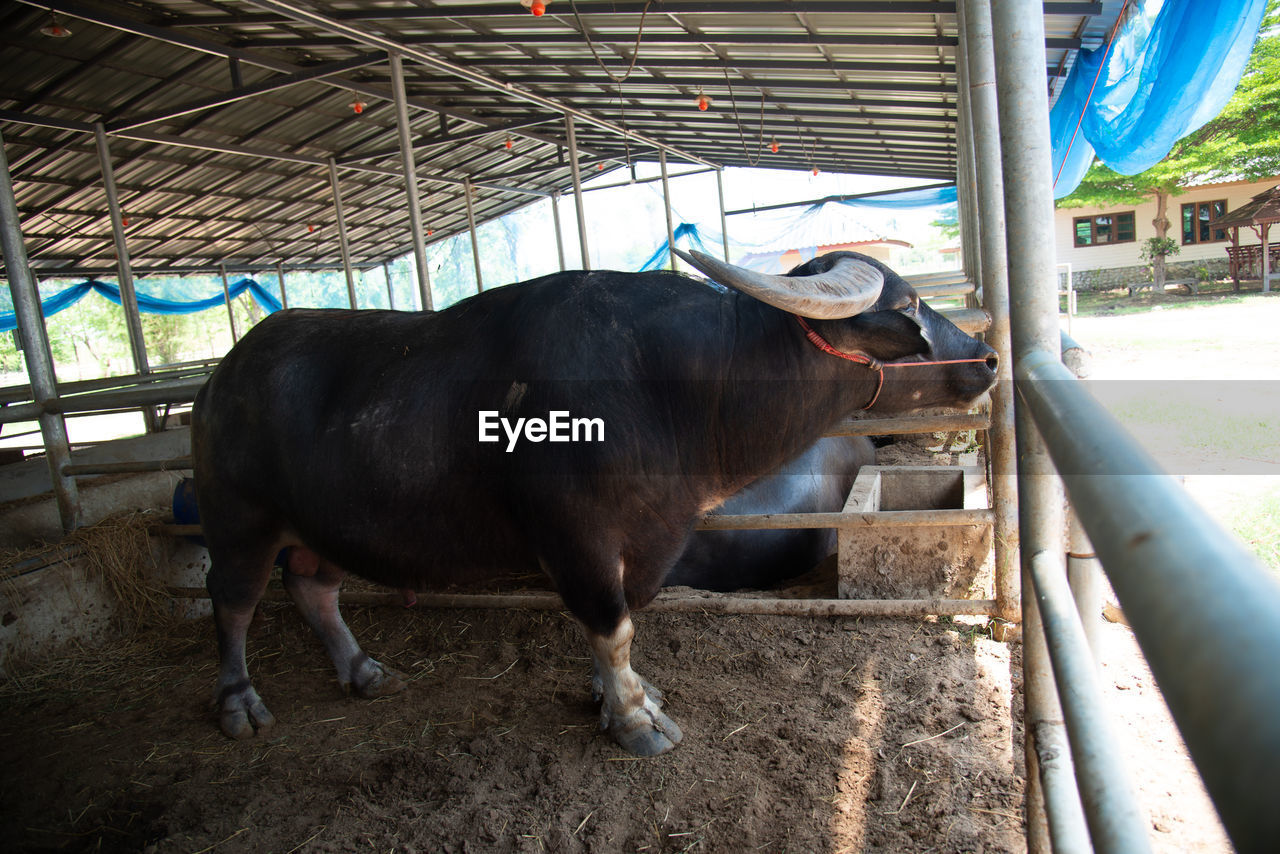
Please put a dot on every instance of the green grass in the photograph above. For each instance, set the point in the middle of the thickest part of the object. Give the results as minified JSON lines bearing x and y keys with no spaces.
{"x":1258,"y":523}
{"x":1169,"y":426}
{"x":1118,"y":302}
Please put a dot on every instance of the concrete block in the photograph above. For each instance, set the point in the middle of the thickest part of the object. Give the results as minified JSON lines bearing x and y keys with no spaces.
{"x":913,"y":562}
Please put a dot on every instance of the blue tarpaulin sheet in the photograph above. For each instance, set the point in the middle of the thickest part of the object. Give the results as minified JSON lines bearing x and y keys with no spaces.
{"x":149,"y":304}
{"x":689,"y":234}
{"x":1172,"y":67}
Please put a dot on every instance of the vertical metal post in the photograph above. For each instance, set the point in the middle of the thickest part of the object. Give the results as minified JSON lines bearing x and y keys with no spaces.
{"x":391,"y":294}
{"x":572,"y":142}
{"x":226,"y":295}
{"x":1085,"y":578}
{"x":1018,"y":31}
{"x":724,"y":222}
{"x":666,"y":204}
{"x":555,"y":217}
{"x":975,"y":18}
{"x":966,"y":191}
{"x":284,"y":295}
{"x":410,"y":180}
{"x":471,"y":227}
{"x":128,"y":297}
{"x":35,"y":347}
{"x":342,"y":233}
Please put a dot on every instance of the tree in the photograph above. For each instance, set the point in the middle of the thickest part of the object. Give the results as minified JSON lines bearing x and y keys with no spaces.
{"x":1243,"y":141}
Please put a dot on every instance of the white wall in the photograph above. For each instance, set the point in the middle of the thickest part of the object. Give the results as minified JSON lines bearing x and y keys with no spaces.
{"x":1127,"y":254}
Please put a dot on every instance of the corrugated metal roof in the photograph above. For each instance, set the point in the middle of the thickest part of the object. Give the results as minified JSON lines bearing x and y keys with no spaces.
{"x":191,"y":94}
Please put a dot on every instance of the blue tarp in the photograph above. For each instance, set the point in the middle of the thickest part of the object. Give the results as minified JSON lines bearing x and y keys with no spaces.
{"x":1171,"y":68}
{"x":661,"y":257}
{"x":149,"y":304}
{"x":905,"y":199}
{"x":688,"y":233}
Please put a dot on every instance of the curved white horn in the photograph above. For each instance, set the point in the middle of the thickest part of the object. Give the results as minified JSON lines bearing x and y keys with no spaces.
{"x":850,"y":287}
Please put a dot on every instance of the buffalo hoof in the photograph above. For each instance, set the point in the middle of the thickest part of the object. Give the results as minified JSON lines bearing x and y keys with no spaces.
{"x":646,"y":731}
{"x":376,"y":680}
{"x":241,"y":713}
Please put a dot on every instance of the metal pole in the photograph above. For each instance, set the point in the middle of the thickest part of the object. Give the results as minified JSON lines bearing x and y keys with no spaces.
{"x":1116,"y":824}
{"x":666,"y":204}
{"x":391,"y":296}
{"x":34,"y":337}
{"x":572,"y":142}
{"x":724,"y":222}
{"x":1085,"y":577}
{"x":555,"y":217}
{"x":128,"y":297}
{"x":284,"y":297}
{"x":1018,"y":31}
{"x":471,"y":227}
{"x":966,"y":190}
{"x":410,"y":180}
{"x":975,"y":16}
{"x":342,"y":233}
{"x":1204,"y":609}
{"x":226,"y":295}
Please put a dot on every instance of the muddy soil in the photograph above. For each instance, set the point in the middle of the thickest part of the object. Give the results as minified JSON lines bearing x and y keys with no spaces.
{"x":801,"y":734}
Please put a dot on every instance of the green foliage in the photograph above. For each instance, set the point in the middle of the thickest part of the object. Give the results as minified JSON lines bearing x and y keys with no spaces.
{"x":1243,"y":141}
{"x":948,"y":222}
{"x":1159,"y":247}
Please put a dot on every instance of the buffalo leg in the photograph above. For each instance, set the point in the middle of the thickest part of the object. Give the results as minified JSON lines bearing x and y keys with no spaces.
{"x":313,"y":583}
{"x":630,"y":708}
{"x":235,"y":582}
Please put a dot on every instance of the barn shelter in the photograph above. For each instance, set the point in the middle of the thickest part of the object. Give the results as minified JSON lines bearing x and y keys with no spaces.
{"x":1258,"y":215}
{"x":218,"y":131}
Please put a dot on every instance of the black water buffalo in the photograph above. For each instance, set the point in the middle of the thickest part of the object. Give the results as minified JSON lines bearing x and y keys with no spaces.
{"x":817,"y":481}
{"x":581,"y":421}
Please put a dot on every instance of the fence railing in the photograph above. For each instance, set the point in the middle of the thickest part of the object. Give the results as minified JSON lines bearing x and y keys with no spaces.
{"x":1204,"y":610}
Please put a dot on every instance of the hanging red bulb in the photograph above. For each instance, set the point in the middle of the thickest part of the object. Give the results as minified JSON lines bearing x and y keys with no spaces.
{"x":773,"y":146}
{"x":703,"y":101}
{"x":509,"y":143}
{"x":124,"y":220}
{"x":537,"y":7}
{"x":430,"y":231}
{"x":357,"y":106}
{"x":815,"y":171}
{"x":311,"y":228}
{"x":599,"y":167}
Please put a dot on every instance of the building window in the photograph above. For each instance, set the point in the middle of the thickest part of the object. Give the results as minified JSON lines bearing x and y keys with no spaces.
{"x":1104,"y":228}
{"x":1198,"y":219}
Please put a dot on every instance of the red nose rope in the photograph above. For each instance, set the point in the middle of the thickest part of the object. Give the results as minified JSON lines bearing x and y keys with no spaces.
{"x":863,"y":359}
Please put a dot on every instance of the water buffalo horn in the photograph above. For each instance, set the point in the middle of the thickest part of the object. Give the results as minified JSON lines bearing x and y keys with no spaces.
{"x":850,"y":287}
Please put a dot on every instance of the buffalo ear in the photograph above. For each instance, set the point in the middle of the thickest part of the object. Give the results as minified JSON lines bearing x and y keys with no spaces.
{"x":888,"y":335}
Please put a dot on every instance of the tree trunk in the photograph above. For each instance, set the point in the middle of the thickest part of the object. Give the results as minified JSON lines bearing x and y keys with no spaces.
{"x":1161,"y":222}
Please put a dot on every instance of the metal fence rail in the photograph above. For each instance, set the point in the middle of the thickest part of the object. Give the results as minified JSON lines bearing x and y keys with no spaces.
{"x":1204,"y":610}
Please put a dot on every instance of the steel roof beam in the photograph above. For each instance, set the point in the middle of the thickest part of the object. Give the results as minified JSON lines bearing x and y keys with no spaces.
{"x":449,"y":139}
{"x":274,"y":84}
{"x":371,"y":39}
{"x":670,"y":7}
{"x":98,"y":16}
{"x":641,"y":101}
{"x":749,"y":84}
{"x":717,"y":64}
{"x":574,"y":39}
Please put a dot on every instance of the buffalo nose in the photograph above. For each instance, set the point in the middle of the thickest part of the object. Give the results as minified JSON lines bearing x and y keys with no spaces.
{"x":993,"y":361}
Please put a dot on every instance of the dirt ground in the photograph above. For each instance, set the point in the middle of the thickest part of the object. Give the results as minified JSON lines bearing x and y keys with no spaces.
{"x":801,"y":734}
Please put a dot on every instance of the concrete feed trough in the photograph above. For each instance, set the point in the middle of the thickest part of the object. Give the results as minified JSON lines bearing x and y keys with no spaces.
{"x":914,"y":561}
